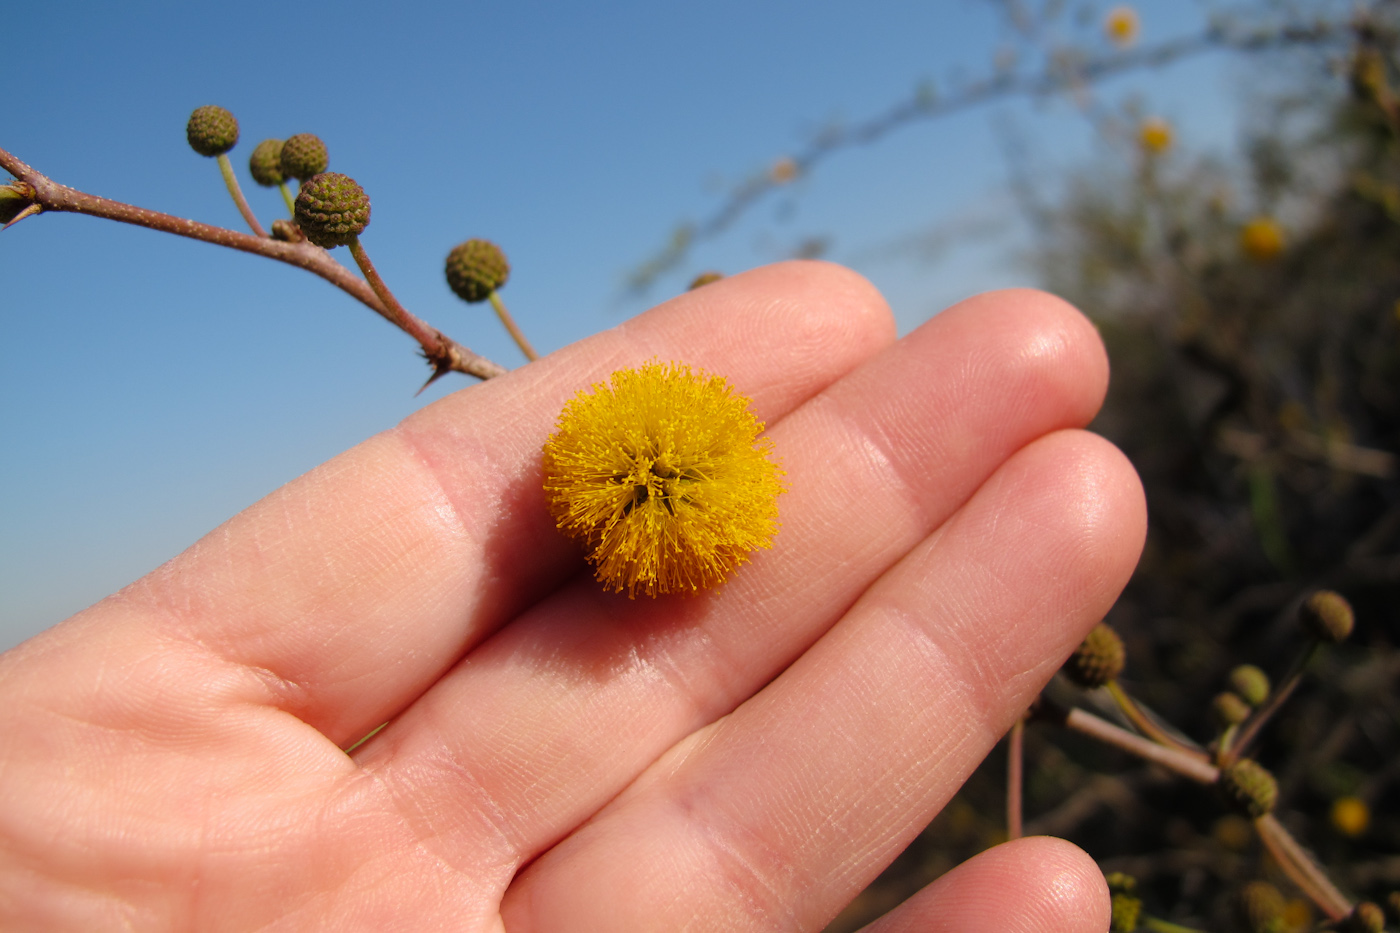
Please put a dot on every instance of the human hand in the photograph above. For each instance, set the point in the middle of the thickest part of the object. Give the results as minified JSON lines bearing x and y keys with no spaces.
{"x":560,"y":758}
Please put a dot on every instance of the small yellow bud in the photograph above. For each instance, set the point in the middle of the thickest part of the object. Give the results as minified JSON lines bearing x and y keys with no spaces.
{"x":1261,"y":239}
{"x":1155,"y":135}
{"x":1122,"y":26}
{"x":1350,"y":815}
{"x":784,"y":170}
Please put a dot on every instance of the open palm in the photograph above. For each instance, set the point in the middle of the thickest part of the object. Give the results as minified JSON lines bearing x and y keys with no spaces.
{"x":558,"y":758}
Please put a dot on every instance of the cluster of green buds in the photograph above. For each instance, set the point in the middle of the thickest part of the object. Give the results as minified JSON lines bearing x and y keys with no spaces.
{"x":1249,"y":688}
{"x":1247,"y":787}
{"x":331,"y":209}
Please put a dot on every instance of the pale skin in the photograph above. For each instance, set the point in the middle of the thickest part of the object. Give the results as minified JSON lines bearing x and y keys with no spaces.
{"x":563,"y":759}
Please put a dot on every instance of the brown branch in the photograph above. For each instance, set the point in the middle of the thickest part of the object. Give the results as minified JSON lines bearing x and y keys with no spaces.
{"x":442,"y":352}
{"x":924,"y":104}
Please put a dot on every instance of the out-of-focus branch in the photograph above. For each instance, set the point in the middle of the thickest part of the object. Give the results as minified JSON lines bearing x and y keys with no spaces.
{"x":442,"y":352}
{"x":1300,"y":867}
{"x":1062,"y":73}
{"x":1184,"y":764}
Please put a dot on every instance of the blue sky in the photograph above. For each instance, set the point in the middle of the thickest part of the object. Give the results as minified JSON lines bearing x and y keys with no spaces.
{"x":150,"y":387}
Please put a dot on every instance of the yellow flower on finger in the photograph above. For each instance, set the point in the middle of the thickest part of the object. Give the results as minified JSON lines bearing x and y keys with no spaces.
{"x":662,"y":476}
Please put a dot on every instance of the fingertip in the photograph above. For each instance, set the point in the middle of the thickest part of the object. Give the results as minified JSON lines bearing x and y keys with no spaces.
{"x":1032,"y":885}
{"x":1051,"y":338}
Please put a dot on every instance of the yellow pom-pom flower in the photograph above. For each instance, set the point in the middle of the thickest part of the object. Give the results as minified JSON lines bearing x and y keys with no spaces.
{"x":784,"y":170}
{"x":1350,"y":815}
{"x":1155,"y":134}
{"x":1261,"y":239}
{"x":1121,"y":25}
{"x":661,"y":474}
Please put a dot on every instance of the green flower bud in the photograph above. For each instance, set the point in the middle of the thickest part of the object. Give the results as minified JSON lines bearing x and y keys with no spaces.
{"x":475,"y":269}
{"x":1126,"y":909}
{"x":1229,"y":709}
{"x":1262,"y":905}
{"x":1365,"y":917}
{"x":287,"y":231}
{"x":1098,"y":659}
{"x":1249,"y":787}
{"x":331,"y":209}
{"x":1327,"y":616}
{"x":1119,"y":881}
{"x":1251,"y":684}
{"x":265,"y":163}
{"x":304,"y":155}
{"x":211,"y":131}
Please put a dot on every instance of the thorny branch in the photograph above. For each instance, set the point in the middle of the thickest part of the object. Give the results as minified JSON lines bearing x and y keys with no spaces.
{"x":1063,"y":73}
{"x":442,"y":352}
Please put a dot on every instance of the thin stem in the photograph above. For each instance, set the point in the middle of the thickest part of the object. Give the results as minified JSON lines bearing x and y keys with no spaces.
{"x":396,"y":312}
{"x":1250,"y":729}
{"x":231,"y":181}
{"x":1144,"y":723}
{"x":1014,"y":772}
{"x":287,"y":199}
{"x":1223,"y":744}
{"x":512,"y":329}
{"x":1187,"y":765}
{"x":1300,"y":868}
{"x":443,"y":353}
{"x":372,"y":733}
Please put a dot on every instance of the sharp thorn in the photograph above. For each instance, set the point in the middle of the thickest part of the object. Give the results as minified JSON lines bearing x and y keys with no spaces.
{"x":29,"y":211}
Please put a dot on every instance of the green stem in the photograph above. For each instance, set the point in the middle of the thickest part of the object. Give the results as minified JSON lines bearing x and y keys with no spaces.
{"x":372,"y":733}
{"x":236,"y":192}
{"x":287,"y":197}
{"x":1251,"y":726}
{"x":1144,"y":723}
{"x":514,"y":331}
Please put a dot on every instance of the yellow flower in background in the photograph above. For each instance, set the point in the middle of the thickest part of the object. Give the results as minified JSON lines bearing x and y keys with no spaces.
{"x":1261,"y":239}
{"x":784,"y":170}
{"x":661,"y":474}
{"x":1121,"y":25}
{"x":1350,"y":815}
{"x":1155,"y":135}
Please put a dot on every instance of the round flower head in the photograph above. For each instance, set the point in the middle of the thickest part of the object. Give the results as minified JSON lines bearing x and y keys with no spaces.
{"x":1262,"y":905}
{"x":1249,"y":787}
{"x":304,"y":155}
{"x":475,"y":269}
{"x":1261,"y":239}
{"x":1155,"y":134}
{"x":332,"y":209}
{"x":1121,"y":25}
{"x":212,"y":131}
{"x":1327,"y":616}
{"x":265,"y":163}
{"x":661,"y":475}
{"x":1098,"y":659}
